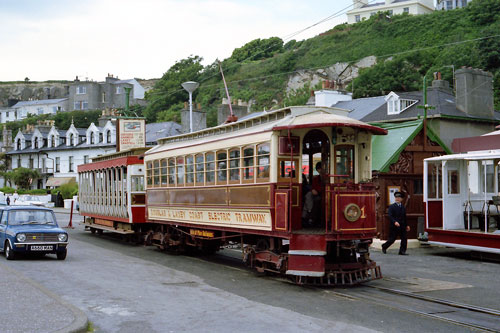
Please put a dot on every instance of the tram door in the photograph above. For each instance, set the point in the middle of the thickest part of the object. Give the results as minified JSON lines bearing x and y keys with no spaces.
{"x":315,"y":170}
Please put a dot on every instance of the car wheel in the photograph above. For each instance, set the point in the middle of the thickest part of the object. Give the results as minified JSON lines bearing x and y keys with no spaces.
{"x":61,"y":255}
{"x":9,"y":253}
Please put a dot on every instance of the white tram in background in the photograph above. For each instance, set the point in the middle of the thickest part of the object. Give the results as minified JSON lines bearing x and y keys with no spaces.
{"x":462,"y":200}
{"x":112,"y":193}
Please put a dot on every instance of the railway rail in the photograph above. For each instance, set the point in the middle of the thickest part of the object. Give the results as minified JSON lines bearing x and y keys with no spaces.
{"x":465,"y":315}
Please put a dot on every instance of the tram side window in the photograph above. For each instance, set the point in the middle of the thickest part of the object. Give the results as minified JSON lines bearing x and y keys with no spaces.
{"x":200,"y":169}
{"x":164,"y":173}
{"x":180,"y":171}
{"x":287,"y":169}
{"x":453,"y":182}
{"x":263,"y":151}
{"x":248,"y":164}
{"x":156,"y":173}
{"x":171,"y":172}
{"x":234,"y":165}
{"x":137,"y":183}
{"x":189,"y":170}
{"x":434,"y":181}
{"x":210,"y":168}
{"x":344,"y":162}
{"x":149,"y":173}
{"x":490,"y":177}
{"x":221,"y":167}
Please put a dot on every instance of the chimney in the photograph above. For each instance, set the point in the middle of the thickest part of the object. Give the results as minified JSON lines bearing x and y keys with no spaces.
{"x":474,"y":92}
{"x":438,"y":83}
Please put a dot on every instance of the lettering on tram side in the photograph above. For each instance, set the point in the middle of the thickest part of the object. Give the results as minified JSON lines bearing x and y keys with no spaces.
{"x":254,"y":219}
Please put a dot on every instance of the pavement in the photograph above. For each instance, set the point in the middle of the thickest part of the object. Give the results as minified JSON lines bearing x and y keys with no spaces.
{"x":30,"y":307}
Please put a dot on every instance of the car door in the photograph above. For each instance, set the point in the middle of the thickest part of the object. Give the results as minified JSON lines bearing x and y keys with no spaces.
{"x":3,"y":227}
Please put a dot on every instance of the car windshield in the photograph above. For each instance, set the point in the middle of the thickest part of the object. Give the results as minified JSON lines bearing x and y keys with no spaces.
{"x":18,"y":217}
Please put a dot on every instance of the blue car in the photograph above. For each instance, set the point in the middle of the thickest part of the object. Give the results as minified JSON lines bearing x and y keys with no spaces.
{"x":30,"y":229}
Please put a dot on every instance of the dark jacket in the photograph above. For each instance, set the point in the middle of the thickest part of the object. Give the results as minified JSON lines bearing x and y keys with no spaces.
{"x":397,"y":214}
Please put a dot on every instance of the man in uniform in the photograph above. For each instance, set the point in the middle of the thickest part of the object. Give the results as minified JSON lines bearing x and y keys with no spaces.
{"x":398,"y":225}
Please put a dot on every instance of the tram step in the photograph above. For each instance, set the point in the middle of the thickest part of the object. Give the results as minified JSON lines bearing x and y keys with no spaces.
{"x":315,"y":244}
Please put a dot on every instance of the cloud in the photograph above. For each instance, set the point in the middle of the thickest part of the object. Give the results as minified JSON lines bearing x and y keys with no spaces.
{"x":141,"y":39}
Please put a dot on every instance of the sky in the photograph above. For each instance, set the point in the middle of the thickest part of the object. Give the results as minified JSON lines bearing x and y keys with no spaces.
{"x":60,"y":39}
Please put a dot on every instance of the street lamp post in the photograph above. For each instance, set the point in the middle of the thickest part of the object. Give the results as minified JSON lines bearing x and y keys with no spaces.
{"x":190,"y":86}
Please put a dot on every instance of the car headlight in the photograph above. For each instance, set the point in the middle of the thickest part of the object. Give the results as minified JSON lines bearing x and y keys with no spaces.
{"x":352,"y":212}
{"x":62,"y":237}
{"x":21,"y":237}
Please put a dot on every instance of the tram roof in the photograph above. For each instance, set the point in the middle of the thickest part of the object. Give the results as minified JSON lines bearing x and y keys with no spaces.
{"x":476,"y":155}
{"x":293,"y":117}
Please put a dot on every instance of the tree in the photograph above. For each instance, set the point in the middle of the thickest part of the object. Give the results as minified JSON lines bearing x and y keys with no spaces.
{"x":23,"y":177}
{"x":168,"y":90}
{"x":258,"y":49}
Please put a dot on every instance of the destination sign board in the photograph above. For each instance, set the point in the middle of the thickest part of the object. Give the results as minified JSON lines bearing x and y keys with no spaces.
{"x":131,"y":133}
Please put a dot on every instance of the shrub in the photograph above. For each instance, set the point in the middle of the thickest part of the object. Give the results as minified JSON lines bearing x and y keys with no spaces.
{"x":67,"y":190}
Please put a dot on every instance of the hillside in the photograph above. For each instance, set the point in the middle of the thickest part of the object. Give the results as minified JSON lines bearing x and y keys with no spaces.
{"x":273,"y":73}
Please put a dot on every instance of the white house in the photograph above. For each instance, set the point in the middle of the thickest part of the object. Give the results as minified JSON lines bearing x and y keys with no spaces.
{"x":451,"y":4}
{"x":364,"y":9}
{"x":22,"y":109}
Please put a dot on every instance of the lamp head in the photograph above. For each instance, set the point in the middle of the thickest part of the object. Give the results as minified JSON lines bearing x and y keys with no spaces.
{"x":190,"y":86}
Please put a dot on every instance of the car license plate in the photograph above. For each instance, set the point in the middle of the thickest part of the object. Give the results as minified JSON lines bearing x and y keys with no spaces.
{"x":42,"y":247}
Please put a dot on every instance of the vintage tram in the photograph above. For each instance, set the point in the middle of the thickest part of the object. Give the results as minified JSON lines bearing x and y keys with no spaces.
{"x":112,"y":192}
{"x":462,"y":200}
{"x":247,"y":182}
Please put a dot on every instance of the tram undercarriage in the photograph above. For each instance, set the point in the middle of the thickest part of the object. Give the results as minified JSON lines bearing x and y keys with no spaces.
{"x":344,"y":263}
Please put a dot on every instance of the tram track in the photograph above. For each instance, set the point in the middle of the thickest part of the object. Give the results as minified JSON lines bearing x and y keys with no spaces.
{"x":465,"y":315}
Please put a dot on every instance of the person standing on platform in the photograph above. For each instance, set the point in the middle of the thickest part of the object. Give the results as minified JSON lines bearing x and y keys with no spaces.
{"x":398,"y":225}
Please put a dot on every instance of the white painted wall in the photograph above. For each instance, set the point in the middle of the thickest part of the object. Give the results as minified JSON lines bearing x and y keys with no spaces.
{"x":416,"y":7}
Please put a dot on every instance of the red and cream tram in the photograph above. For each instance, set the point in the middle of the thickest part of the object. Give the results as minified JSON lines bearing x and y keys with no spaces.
{"x":248,"y":181}
{"x":111,"y":192}
{"x":462,"y":200}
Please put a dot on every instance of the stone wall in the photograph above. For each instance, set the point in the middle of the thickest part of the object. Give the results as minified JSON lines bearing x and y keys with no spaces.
{"x":34,"y":91}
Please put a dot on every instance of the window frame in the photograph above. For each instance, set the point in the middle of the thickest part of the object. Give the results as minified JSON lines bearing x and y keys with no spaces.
{"x":221,"y":171}
{"x":264,"y":179}
{"x":244,"y":167}
{"x":231,"y":168}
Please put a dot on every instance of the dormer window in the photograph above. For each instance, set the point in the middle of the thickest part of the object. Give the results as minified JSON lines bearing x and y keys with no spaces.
{"x":92,"y":138}
{"x":36,"y":143}
{"x":71,"y":140}
{"x":108,"y":136}
{"x":396,"y":105}
{"x":18,"y":144}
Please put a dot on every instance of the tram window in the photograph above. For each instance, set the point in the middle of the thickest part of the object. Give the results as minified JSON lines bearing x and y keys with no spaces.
{"x":234,"y":165}
{"x":149,"y":173}
{"x":180,"y":171}
{"x":200,"y":169}
{"x":137,"y":184}
{"x":287,"y":169}
{"x":434,"y":181}
{"x":221,"y":167}
{"x":210,"y":168}
{"x":453,"y":182}
{"x":189,"y":170}
{"x":138,"y":199}
{"x":490,"y":178}
{"x":164,"y":172}
{"x":473,"y":171}
{"x":248,"y":164}
{"x":263,"y":162}
{"x":171,"y":172}
{"x":344,"y":162}
{"x":156,"y":173}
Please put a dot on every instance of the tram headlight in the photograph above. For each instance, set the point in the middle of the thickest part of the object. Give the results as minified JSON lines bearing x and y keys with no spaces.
{"x":21,"y":237}
{"x":352,"y":212}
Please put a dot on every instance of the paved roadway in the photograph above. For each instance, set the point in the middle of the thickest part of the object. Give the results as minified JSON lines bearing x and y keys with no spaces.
{"x":129,"y":288}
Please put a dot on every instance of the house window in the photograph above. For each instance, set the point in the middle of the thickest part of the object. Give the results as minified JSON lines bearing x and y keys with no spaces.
{"x":71,"y":164}
{"x":71,"y":139}
{"x":108,"y":136}
{"x":19,"y":162}
{"x":36,"y":143}
{"x":80,"y":90}
{"x":119,"y":90}
{"x":39,"y":111}
{"x":58,"y":164}
{"x":372,"y":14}
{"x":449,"y":5}
{"x":81,"y":105}
{"x":85,"y":159}
{"x":7,"y":114}
{"x":101,"y":137}
{"x":18,"y":144}
{"x":390,"y":12}
{"x":406,"y":10}
{"x":357,"y":18}
{"x":464,"y":3}
{"x":31,"y":163}
{"x":103,"y":97}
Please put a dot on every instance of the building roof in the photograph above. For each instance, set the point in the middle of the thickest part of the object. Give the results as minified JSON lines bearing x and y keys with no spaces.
{"x":387,"y":148}
{"x":155,"y":131}
{"x":361,"y":107}
{"x":441,"y":99}
{"x":39,"y":102}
